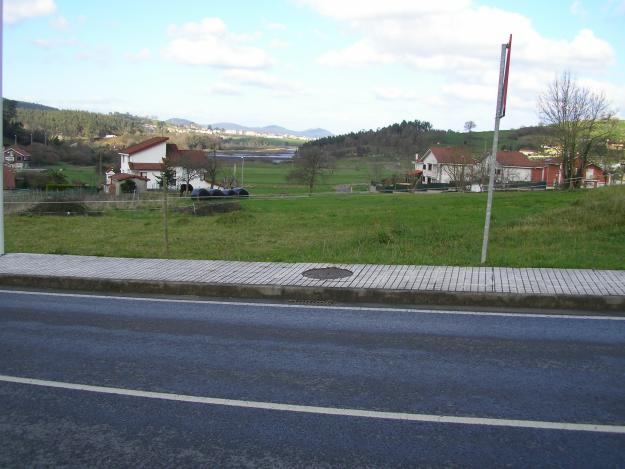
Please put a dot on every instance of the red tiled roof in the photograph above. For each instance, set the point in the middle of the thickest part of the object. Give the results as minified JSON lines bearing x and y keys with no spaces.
{"x":188,"y":157}
{"x":124,"y":176}
{"x":18,"y":150}
{"x":146,"y":166}
{"x":452,"y":155}
{"x":518,"y":159}
{"x":149,"y":143}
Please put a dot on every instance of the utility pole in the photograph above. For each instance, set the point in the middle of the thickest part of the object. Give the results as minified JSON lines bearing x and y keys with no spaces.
{"x":242,"y":166}
{"x":165,"y":182}
{"x":2,"y":134}
{"x":500,"y":111}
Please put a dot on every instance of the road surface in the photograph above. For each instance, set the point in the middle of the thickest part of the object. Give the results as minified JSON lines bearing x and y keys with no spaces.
{"x":112,"y":381}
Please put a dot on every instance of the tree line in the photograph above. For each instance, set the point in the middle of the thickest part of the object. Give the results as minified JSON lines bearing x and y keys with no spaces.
{"x":27,"y":123}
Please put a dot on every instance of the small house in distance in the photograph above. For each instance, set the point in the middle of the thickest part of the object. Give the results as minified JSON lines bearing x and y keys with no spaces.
{"x":143,"y":163}
{"x":16,"y":157}
{"x":443,"y":164}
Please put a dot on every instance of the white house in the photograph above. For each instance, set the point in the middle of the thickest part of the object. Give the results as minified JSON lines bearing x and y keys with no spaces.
{"x":145,"y":159}
{"x":514,"y":166}
{"x":445,"y":164}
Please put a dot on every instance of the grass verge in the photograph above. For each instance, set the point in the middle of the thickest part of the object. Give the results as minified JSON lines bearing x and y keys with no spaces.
{"x":583,"y":229}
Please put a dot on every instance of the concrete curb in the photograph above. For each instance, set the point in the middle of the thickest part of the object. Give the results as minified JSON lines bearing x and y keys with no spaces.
{"x":589,"y":303}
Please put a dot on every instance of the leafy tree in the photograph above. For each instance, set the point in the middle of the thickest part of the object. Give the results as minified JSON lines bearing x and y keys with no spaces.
{"x":128,"y":186}
{"x":12,"y":127}
{"x":579,"y":118}
{"x":310,"y":164}
{"x":400,"y":140}
{"x":199,"y":141}
{"x":168,"y":174}
{"x":469,"y":126}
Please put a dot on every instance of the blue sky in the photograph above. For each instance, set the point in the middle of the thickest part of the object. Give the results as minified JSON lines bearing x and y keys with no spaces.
{"x":344,"y":65}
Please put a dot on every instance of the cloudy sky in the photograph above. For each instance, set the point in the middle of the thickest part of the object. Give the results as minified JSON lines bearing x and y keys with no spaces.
{"x":339,"y":64}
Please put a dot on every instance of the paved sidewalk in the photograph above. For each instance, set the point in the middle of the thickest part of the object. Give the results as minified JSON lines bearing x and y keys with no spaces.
{"x":416,"y":285}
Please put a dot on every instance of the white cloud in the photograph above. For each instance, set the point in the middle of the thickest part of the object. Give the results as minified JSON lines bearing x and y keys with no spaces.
{"x":614,"y":93}
{"x":60,"y":23}
{"x":374,"y":9}
{"x":577,"y":8}
{"x":363,"y":52}
{"x":259,"y":79}
{"x":209,"y":42}
{"x":276,"y":26}
{"x":456,"y":45}
{"x":141,"y":56}
{"x":278,"y":44}
{"x":17,"y":10}
{"x":385,"y":93}
{"x":470,"y":92}
{"x":54,"y":43}
{"x":225,"y":89}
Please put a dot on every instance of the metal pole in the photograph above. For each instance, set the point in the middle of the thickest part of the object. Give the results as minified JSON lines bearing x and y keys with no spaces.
{"x":493,"y":155}
{"x":1,"y":134}
{"x":164,"y":180}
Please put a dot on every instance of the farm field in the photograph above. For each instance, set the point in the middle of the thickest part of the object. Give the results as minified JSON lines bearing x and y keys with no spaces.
{"x":265,"y":177}
{"x":580,"y":229}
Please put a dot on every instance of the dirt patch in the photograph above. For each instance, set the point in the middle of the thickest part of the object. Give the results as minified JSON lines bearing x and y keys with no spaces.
{"x":327,"y":273}
{"x":60,"y":208}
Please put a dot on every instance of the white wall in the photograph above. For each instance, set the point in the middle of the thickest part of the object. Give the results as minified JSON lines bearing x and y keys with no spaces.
{"x":511,"y":174}
{"x":153,"y":154}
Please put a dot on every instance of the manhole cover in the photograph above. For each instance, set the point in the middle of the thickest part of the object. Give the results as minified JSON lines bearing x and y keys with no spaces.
{"x":327,"y":273}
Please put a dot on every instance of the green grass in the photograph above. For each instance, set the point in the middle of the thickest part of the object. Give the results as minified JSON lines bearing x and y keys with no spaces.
{"x":583,"y":229}
{"x":74,"y":173}
{"x":265,"y":177}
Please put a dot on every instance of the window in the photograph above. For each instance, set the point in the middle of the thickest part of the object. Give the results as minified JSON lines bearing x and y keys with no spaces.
{"x":430,"y":166}
{"x":425,"y":166}
{"x":143,"y":174}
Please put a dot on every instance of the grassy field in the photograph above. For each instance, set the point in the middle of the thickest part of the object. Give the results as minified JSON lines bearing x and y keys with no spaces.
{"x":583,"y":229}
{"x":262,"y":176}
{"x":75,"y":173}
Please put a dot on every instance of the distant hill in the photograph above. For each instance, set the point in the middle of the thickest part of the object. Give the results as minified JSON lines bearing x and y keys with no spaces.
{"x":179,"y":121}
{"x":27,"y":105}
{"x":403,"y":140}
{"x":275,"y":129}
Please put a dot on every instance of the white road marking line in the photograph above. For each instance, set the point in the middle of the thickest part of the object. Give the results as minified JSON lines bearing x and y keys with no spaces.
{"x":322,"y":307}
{"x":532,"y":424}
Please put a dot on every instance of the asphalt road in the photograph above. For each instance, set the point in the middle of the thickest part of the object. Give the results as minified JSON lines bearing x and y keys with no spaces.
{"x":193,"y":383}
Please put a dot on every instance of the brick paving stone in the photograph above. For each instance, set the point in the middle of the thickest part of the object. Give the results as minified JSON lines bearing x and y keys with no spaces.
{"x":541,"y":281}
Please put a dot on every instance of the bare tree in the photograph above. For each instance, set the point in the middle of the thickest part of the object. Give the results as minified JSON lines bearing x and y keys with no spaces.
{"x":193,"y":166}
{"x":212,"y":168}
{"x":310,"y":164}
{"x":469,"y":126}
{"x":461,"y":173}
{"x":580,"y":119}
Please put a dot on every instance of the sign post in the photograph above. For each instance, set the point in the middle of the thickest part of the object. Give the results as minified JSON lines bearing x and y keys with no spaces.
{"x":1,"y":136}
{"x":502,"y":94}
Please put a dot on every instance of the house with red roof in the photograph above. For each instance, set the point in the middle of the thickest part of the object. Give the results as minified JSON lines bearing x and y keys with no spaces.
{"x":514,"y":166}
{"x":457,"y":164}
{"x":145,"y":160}
{"x":445,"y":164}
{"x":16,"y":157}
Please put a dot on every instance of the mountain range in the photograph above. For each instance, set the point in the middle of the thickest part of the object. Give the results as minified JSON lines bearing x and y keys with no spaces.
{"x":269,"y":129}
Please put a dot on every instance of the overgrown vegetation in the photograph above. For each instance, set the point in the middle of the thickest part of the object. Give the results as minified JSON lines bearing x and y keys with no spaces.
{"x":579,"y":229}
